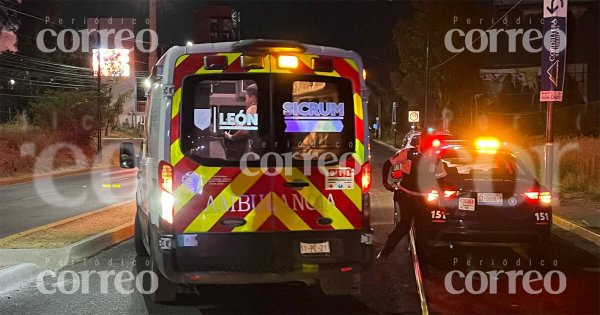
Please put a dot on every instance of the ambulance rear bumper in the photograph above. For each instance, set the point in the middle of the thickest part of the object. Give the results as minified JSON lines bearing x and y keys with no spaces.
{"x":227,"y":258}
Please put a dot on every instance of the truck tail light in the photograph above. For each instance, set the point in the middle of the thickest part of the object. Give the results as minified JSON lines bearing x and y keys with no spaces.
{"x":449,"y":194}
{"x":165,"y":182}
{"x":366,"y":177}
{"x":433,"y":196}
{"x":544,"y":197}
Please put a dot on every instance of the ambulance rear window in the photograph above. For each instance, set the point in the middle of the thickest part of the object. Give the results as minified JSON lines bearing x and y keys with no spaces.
{"x":224,"y":117}
{"x":306,"y":115}
{"x":313,"y":115}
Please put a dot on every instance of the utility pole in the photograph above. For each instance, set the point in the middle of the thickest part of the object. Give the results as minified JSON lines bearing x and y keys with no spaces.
{"x":426,"y":120}
{"x":98,"y":97}
{"x":152,"y":56}
{"x":380,"y":120}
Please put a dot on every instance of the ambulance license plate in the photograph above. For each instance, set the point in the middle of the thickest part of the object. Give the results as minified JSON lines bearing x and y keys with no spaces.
{"x":314,"y":248}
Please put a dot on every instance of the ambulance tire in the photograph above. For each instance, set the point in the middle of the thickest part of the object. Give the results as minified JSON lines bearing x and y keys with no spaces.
{"x":138,"y":238}
{"x":166,"y":291}
{"x":337,"y":284}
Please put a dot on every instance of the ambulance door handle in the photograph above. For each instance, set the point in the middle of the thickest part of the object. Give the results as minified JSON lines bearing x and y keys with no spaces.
{"x":295,"y":185}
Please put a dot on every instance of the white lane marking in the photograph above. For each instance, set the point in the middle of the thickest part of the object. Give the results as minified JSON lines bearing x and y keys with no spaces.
{"x":117,"y":172}
{"x":37,"y":196}
{"x":120,"y":179}
{"x":417,"y":268}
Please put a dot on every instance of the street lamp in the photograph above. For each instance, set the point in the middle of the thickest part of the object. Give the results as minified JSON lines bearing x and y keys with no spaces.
{"x":189,"y":43}
{"x":12,"y":83}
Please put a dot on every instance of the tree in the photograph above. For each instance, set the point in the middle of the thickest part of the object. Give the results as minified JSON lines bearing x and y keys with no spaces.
{"x":9,"y":25}
{"x":68,"y":111}
{"x":453,"y":79}
{"x":75,"y":112}
{"x":111,"y":110}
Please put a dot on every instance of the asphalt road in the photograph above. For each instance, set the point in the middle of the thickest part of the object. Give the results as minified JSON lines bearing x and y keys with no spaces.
{"x":389,"y":287}
{"x":29,"y":205}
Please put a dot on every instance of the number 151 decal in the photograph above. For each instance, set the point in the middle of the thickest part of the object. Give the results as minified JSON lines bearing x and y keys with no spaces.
{"x":542,"y":217}
{"x":438,"y":216}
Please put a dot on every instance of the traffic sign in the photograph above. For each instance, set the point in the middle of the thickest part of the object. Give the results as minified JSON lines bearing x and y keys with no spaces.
{"x":394,"y":106}
{"x":413,"y":116}
{"x":554,"y":51}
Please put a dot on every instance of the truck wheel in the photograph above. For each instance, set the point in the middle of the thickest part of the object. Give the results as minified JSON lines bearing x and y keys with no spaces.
{"x":337,"y":284}
{"x":138,"y":238}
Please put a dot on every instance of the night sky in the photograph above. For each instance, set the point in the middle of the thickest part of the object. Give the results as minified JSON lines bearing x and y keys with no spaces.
{"x":363,"y":26}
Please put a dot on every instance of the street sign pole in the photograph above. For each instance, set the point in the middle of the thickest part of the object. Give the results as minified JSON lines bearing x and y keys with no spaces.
{"x":394,"y":106}
{"x":381,"y":118}
{"x":99,"y":88}
{"x":549,"y":149}
{"x":552,"y":72}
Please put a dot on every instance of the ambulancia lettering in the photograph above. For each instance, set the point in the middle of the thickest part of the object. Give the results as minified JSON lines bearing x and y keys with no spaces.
{"x":246,"y":203}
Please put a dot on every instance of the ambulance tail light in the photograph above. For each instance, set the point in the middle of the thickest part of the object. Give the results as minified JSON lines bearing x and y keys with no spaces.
{"x":165,"y":182}
{"x":366,"y":178}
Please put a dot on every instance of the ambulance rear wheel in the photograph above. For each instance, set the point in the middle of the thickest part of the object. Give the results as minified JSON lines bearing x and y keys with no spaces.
{"x":337,"y":284}
{"x":166,"y":291}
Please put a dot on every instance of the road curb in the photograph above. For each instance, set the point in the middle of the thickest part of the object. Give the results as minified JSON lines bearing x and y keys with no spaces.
{"x":29,"y":262}
{"x":28,"y":179}
{"x":389,"y":146}
{"x":16,"y":276}
{"x":64,"y":221}
{"x":576,"y":229}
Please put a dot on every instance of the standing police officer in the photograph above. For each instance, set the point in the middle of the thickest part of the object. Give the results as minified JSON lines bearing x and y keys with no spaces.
{"x":410,"y":174}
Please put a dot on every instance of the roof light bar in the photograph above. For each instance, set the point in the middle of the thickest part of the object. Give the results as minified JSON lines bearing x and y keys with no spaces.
{"x":215,"y":62}
{"x":287,"y":62}
{"x":252,"y":62}
{"x":322,"y":64}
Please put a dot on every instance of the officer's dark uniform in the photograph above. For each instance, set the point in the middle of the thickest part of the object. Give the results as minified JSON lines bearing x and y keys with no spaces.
{"x":419,"y":172}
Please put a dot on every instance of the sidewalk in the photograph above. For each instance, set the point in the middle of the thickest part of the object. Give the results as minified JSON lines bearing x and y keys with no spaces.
{"x":580,"y":215}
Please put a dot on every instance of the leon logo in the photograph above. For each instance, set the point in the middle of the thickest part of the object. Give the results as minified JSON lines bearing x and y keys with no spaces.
{"x":202,"y":118}
{"x":313,"y":116}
